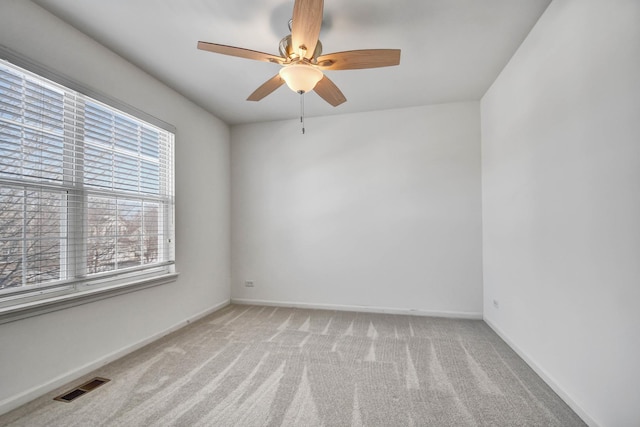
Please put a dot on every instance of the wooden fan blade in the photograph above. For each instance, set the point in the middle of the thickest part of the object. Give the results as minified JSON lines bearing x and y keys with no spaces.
{"x":266,"y":88}
{"x":329,"y":92}
{"x":358,"y":59}
{"x":239,"y":52}
{"x":305,"y":25}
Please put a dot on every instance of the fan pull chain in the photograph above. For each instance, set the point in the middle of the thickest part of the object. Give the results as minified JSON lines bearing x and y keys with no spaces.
{"x":302,"y":110}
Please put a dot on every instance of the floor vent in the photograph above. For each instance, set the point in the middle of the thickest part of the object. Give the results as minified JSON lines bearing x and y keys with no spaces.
{"x":92,"y":384}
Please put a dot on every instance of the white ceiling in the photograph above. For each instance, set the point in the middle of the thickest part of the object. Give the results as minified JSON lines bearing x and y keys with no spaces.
{"x":452,"y":50}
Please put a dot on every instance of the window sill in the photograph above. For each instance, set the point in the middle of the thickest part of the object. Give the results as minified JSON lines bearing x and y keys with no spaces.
{"x":47,"y":305}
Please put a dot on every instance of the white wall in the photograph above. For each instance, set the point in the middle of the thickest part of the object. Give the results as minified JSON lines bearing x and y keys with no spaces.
{"x":48,"y":350}
{"x":561,"y":205}
{"x":377,"y":210}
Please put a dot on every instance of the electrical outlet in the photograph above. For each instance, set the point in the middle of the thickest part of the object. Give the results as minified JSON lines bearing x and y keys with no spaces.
{"x":248,"y":283}
{"x":496,"y":304}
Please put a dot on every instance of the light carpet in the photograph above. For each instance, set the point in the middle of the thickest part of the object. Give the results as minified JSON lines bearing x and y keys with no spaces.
{"x":270,"y":366}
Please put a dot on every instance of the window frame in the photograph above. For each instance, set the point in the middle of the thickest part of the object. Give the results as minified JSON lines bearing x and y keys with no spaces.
{"x":27,"y":301}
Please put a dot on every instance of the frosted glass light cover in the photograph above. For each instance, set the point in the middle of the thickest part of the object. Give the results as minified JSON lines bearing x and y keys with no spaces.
{"x":301,"y":77}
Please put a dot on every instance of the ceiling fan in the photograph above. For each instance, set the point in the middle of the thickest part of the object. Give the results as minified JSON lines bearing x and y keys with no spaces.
{"x":302,"y":59}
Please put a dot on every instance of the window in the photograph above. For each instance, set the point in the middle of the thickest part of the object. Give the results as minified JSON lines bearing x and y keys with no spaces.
{"x":86,"y":192}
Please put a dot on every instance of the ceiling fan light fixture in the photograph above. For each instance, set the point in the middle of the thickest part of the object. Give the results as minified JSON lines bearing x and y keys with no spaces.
{"x":301,"y":78}
{"x":302,"y":68}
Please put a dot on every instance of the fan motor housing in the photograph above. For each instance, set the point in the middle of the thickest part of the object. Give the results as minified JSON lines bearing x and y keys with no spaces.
{"x":287,"y":51}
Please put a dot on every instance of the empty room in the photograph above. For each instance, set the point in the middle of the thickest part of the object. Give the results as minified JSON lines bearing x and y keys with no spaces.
{"x":320,"y":213}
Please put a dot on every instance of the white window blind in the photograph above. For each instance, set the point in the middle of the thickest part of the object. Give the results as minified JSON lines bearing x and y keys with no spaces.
{"x":86,"y":191}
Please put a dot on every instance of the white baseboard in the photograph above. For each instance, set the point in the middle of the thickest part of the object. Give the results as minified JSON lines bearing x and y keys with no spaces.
{"x":575,"y":406}
{"x":35,"y":392}
{"x":360,"y":308}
